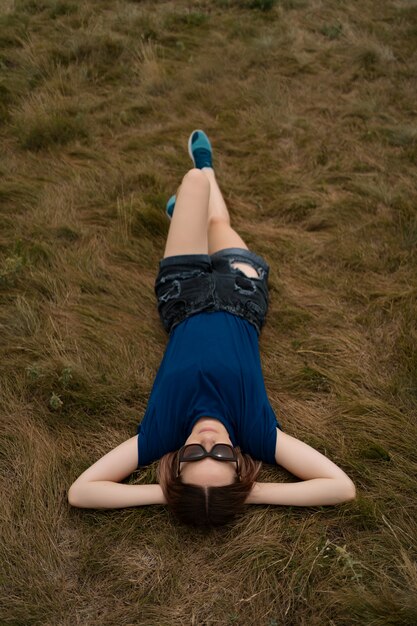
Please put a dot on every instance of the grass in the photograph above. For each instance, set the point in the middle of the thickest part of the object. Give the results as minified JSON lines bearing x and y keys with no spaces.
{"x":310,"y":107}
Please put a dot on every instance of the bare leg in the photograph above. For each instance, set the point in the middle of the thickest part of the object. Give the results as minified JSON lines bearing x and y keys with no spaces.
{"x":188,"y":229}
{"x":220,"y":233}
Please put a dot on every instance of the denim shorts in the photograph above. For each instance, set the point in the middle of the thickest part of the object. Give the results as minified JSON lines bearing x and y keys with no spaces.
{"x":187,"y":284}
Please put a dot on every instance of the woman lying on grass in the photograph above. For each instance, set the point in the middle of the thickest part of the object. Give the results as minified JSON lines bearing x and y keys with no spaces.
{"x":208,"y":418}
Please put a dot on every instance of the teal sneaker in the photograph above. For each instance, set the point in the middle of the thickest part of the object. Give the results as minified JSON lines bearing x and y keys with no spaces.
{"x":170,"y":206}
{"x":199,"y":149}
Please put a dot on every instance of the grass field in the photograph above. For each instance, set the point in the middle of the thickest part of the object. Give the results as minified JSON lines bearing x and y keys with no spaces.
{"x":311,"y":110}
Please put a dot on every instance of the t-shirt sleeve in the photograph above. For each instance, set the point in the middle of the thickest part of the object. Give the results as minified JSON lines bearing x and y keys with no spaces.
{"x":276,"y":436}
{"x":138,"y":444}
{"x":143,"y":454}
{"x":258,"y":435}
{"x":270,"y":445}
{"x":140,"y":448}
{"x":271,"y":437}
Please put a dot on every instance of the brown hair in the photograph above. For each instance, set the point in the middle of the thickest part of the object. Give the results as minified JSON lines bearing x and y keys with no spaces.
{"x":206,"y":506}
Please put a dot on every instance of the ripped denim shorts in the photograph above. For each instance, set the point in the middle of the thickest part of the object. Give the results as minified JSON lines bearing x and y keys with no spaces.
{"x":187,"y":284}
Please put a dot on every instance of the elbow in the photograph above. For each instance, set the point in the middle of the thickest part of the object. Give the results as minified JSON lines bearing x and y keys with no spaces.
{"x":73,"y":496}
{"x":349,"y":491}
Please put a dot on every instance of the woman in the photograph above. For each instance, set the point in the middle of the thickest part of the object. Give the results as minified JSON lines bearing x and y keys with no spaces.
{"x":208,"y":418}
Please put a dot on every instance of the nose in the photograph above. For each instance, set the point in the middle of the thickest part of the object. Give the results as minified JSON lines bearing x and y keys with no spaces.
{"x":208,"y":439}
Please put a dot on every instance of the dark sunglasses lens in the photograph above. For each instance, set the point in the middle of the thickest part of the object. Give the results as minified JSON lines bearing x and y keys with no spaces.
{"x":222,"y":451}
{"x":193,"y":451}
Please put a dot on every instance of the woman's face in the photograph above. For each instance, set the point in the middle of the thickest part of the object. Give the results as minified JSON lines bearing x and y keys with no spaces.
{"x":208,"y":472}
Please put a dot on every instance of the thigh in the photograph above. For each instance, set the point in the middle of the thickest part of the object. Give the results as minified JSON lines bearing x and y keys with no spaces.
{"x":220,"y":236}
{"x":188,"y":228}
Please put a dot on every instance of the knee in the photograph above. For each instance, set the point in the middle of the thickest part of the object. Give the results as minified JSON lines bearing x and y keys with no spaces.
{"x":197,"y":176}
{"x":215,"y":220}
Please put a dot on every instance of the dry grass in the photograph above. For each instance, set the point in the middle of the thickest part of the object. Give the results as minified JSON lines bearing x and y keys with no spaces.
{"x":310,"y":106}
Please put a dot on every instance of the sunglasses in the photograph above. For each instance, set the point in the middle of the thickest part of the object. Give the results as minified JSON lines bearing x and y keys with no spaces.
{"x":196,"y":452}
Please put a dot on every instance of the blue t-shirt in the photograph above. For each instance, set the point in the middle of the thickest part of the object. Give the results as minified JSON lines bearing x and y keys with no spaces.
{"x":211,"y":368}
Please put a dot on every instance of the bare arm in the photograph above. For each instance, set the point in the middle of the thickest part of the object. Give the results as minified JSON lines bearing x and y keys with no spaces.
{"x":98,"y":487}
{"x":323,"y":481}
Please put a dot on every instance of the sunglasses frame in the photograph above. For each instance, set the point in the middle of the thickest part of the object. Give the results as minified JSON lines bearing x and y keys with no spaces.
{"x":206,"y":454}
